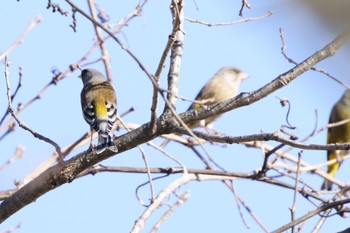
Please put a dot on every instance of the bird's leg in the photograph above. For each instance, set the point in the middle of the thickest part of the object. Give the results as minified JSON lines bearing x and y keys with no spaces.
{"x":111,"y":145}
{"x":339,"y":156}
{"x":91,"y":147}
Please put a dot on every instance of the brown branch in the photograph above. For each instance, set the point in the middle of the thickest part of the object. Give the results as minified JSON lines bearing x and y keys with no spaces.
{"x":306,"y":167}
{"x":67,"y":171}
{"x":279,"y":82}
{"x":276,"y":136}
{"x":60,"y":75}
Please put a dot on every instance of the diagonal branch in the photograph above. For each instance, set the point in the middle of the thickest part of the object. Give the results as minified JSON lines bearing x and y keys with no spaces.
{"x":21,"y":124}
{"x":284,"y":79}
{"x":19,"y":41}
{"x":67,"y":171}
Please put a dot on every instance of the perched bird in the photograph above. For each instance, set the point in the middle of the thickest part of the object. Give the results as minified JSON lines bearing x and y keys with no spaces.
{"x":338,"y":134}
{"x":222,"y":86}
{"x":99,"y":106}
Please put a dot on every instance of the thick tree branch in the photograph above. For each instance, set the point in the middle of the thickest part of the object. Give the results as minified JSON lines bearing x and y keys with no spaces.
{"x":284,"y":79}
{"x":67,"y":171}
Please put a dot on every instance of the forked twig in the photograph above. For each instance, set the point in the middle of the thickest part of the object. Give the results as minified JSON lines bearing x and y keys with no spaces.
{"x":20,"y":123}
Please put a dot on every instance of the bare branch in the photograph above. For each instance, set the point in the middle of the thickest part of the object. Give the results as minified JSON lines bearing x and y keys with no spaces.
{"x":56,"y":7}
{"x":320,"y":70}
{"x":293,"y":208}
{"x":244,"y":4}
{"x":176,"y":53}
{"x":276,"y":136}
{"x":124,"y":47}
{"x":19,"y":153}
{"x":172,"y":208}
{"x":20,"y":39}
{"x":20,"y":123}
{"x":104,"y":52}
{"x":67,"y":171}
{"x":311,"y":214}
{"x":209,"y":24}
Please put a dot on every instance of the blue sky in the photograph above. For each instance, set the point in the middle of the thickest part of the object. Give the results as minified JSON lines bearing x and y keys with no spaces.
{"x":106,"y":202}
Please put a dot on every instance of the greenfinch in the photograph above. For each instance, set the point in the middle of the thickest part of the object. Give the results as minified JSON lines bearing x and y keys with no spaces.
{"x":338,"y":134}
{"x":223,"y":86}
{"x":99,"y":106}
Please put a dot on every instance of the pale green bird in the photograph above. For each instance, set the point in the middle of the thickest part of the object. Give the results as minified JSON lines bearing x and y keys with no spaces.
{"x":338,"y":134}
{"x":99,"y":106}
{"x":223,"y":86}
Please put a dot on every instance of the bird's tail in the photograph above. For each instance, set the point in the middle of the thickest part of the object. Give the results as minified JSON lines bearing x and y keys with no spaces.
{"x":332,"y":169}
{"x":327,"y":185}
{"x":105,"y":142}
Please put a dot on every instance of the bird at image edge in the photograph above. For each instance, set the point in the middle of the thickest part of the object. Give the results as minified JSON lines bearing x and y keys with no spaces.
{"x":338,"y":134}
{"x":99,"y":106}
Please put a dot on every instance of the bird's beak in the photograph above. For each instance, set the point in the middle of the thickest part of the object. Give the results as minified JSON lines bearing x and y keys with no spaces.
{"x":80,"y":70}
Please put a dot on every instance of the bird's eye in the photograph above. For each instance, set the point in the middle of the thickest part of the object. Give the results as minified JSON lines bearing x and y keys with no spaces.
{"x":86,"y":73}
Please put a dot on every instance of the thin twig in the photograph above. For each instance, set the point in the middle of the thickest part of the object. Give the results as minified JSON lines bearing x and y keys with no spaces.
{"x":165,"y":53}
{"x":293,"y":208}
{"x":172,"y":208}
{"x":244,"y":4}
{"x":56,"y":7}
{"x":320,"y":70}
{"x":124,"y":47}
{"x":228,"y":23}
{"x":136,"y":12}
{"x":252,"y":214}
{"x":12,"y":229}
{"x":230,"y":186}
{"x":104,"y":52}
{"x":20,"y":39}
{"x":311,"y":214}
{"x":20,"y":123}
{"x":19,"y":85}
{"x":144,"y":157}
{"x":320,"y":222}
{"x":19,"y":153}
{"x":59,"y":175}
{"x":275,"y":136}
{"x":238,"y":200}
